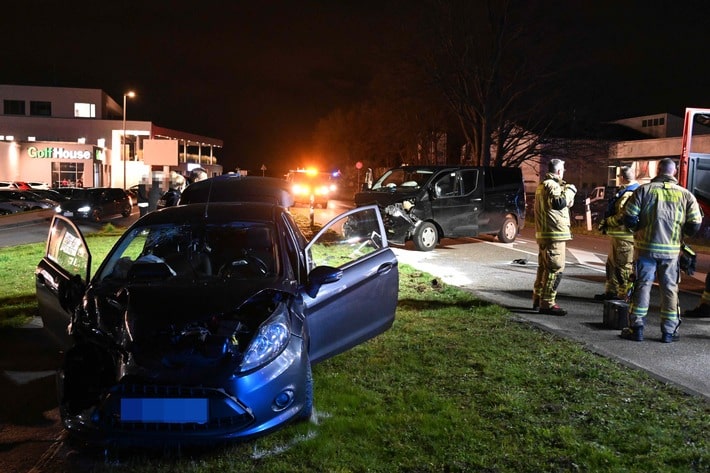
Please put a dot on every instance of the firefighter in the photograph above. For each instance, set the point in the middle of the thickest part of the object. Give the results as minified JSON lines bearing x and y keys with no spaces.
{"x":659,"y":213}
{"x":620,"y":261}
{"x":553,"y":198}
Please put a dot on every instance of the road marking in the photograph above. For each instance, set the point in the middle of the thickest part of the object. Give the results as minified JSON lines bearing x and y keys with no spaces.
{"x":26,"y":377}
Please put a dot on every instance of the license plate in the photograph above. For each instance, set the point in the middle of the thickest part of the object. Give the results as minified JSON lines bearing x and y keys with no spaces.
{"x":165,"y":410}
{"x":68,"y":214}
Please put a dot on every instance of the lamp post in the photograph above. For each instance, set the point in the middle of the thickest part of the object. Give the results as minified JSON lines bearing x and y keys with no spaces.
{"x":130,"y":94}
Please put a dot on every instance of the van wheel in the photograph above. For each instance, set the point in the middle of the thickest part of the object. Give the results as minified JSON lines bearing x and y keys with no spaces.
{"x":426,"y":237}
{"x":508,"y":231}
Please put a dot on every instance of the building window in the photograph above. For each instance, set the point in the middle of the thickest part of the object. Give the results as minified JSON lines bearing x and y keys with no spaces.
{"x":84,"y":110}
{"x":42,"y":109}
{"x":644,"y":123}
{"x":67,"y":174}
{"x":14,"y":107}
{"x":661,"y":121}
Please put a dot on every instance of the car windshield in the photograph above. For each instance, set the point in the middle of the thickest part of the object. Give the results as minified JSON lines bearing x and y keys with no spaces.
{"x":236,"y":250}
{"x":399,"y":177}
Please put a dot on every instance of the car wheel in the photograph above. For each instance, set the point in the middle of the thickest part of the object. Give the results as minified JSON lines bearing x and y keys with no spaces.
{"x":426,"y":237}
{"x":307,"y":410}
{"x":126,"y":212}
{"x":508,"y":231}
{"x":96,"y":215}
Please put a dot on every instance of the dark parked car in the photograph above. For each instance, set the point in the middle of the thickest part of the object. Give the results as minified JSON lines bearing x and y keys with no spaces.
{"x":203,"y":321}
{"x":32,"y":200}
{"x":427,"y":203}
{"x":96,"y":203}
{"x":10,"y":206}
{"x":237,"y":188}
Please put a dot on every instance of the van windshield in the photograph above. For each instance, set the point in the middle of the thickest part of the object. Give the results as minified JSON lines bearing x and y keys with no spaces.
{"x":399,"y":177}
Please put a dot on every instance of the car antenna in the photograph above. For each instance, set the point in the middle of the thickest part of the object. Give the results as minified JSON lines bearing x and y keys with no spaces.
{"x":209,"y":195}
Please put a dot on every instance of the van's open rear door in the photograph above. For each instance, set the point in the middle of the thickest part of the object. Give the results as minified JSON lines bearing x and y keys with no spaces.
{"x":694,"y":169}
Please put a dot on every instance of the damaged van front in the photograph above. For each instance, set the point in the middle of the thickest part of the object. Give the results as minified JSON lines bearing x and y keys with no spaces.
{"x":427,"y":203}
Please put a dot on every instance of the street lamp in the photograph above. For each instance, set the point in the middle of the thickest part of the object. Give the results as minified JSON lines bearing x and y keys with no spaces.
{"x":130,"y":94}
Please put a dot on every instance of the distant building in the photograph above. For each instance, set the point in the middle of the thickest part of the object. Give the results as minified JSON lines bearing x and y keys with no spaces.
{"x":64,"y":135}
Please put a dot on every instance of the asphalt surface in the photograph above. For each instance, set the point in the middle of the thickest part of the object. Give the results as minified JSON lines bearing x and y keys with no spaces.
{"x":493,"y":272}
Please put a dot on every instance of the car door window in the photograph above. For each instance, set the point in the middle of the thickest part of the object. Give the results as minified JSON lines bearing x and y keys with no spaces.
{"x":469,"y":180}
{"x":67,"y":248}
{"x":447,"y":185}
{"x":346,"y":239}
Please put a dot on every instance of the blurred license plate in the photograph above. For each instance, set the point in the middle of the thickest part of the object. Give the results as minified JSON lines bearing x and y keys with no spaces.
{"x":164,"y":410}
{"x":68,"y":214}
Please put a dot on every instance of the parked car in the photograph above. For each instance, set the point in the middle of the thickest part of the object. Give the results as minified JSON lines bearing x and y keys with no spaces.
{"x":33,"y":201}
{"x":10,"y":206}
{"x":238,"y":188}
{"x":39,"y":185}
{"x":427,"y":203}
{"x":203,"y":321}
{"x":50,"y":194}
{"x":15,"y":185}
{"x":95,"y":203}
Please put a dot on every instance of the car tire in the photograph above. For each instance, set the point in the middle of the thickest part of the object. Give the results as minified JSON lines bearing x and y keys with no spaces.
{"x":96,"y":215}
{"x":426,"y":237}
{"x":307,"y":410}
{"x":508,"y":231}
{"x":126,"y":212}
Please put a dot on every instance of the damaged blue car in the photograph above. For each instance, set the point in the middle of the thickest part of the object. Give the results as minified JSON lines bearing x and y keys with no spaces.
{"x":203,"y":321}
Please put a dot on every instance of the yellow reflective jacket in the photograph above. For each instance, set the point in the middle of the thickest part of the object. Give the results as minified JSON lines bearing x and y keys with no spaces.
{"x":553,"y":198}
{"x":664,"y":212}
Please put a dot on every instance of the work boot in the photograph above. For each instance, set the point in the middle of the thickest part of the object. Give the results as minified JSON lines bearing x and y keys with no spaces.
{"x":607,"y":296}
{"x":670,"y":337}
{"x":703,"y":310}
{"x":536,"y":302}
{"x":553,"y":310}
{"x":632,"y":333}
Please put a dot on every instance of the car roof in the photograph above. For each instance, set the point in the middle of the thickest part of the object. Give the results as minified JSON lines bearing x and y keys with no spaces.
{"x":237,"y":188}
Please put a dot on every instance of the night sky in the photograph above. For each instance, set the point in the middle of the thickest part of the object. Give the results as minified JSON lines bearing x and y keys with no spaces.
{"x":259,"y":75}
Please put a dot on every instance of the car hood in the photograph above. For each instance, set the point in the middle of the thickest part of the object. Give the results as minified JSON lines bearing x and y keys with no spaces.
{"x":184,"y":334}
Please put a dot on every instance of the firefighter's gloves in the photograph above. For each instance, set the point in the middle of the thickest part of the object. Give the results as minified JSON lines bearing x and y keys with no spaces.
{"x":687,"y":259}
{"x":603,"y":226}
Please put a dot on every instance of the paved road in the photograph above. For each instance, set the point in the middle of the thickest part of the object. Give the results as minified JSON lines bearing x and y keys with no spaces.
{"x":487,"y":268}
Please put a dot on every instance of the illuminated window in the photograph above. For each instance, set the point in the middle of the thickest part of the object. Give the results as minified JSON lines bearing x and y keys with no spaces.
{"x":85,"y":110}
{"x":43,"y":109}
{"x":14,"y":107}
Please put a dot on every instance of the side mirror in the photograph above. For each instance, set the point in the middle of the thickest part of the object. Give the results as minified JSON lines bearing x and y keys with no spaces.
{"x":322,"y":275}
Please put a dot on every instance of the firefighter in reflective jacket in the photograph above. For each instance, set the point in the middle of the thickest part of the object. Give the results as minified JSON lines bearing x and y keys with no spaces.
{"x":620,"y":260}
{"x":553,"y":198}
{"x":660,"y":213}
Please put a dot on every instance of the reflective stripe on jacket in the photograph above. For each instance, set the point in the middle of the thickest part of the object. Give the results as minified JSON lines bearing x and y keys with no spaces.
{"x":663,"y":208}
{"x":552,"y":202}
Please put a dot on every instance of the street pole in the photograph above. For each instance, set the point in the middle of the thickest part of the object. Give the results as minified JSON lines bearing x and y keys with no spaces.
{"x":123,"y":136}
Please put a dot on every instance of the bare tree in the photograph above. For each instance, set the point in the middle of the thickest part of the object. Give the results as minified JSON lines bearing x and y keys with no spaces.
{"x":487,"y":63}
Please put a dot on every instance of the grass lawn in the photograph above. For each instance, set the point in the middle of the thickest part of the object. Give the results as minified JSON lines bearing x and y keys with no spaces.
{"x":457,"y":385}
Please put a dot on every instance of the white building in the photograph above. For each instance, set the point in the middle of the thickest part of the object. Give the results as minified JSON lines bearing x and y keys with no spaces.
{"x":72,"y":135}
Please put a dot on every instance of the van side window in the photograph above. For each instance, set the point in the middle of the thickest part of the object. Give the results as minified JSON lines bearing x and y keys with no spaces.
{"x":447,"y":185}
{"x":469,"y":179}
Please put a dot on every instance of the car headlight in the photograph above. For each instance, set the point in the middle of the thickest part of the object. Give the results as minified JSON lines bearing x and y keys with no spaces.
{"x":270,"y":340}
{"x":84,"y":208}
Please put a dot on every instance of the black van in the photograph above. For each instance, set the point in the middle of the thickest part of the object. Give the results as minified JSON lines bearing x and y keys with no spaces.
{"x":427,"y":203}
